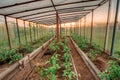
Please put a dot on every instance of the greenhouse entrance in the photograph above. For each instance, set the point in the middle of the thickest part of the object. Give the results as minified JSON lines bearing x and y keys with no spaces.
{"x":59,"y":40}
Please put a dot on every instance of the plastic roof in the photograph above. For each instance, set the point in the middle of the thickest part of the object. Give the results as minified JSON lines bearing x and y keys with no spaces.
{"x":44,"y":11}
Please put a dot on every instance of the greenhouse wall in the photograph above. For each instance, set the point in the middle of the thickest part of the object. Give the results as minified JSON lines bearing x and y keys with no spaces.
{"x":102,"y":33}
{"x":3,"y":33}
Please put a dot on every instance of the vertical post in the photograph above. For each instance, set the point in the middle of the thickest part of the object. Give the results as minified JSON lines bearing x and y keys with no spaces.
{"x":37,"y":29}
{"x":34,"y":31}
{"x":107,"y":26}
{"x":114,"y":29}
{"x":57,"y":28}
{"x":65,"y":29}
{"x":25,"y":33}
{"x":80,"y":28}
{"x":40,"y":30}
{"x":84,"y":26}
{"x":30,"y":32}
{"x":76,"y":27}
{"x":91,"y":27}
{"x":60,"y":27}
{"x":71,"y":28}
{"x":18,"y":32}
{"x":8,"y":35}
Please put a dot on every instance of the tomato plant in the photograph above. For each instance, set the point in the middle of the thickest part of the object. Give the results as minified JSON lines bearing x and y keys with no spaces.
{"x":112,"y":72}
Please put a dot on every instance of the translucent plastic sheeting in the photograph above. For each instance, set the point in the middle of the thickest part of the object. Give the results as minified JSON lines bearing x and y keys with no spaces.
{"x":3,"y":34}
{"x":117,"y":37}
{"x":64,"y":1}
{"x":99,"y":24}
{"x":49,"y":21}
{"x":111,"y":25}
{"x":82,"y":27}
{"x":27,"y":28}
{"x":78,"y":12}
{"x":25,"y":7}
{"x":54,"y":15}
{"x":13,"y":32}
{"x":21,"y":32}
{"x":80,"y":5}
{"x":33,"y":12}
{"x":44,"y":17}
{"x":11,"y":2}
{"x":33,"y":32}
{"x":88,"y":26}
{"x":39,"y":15}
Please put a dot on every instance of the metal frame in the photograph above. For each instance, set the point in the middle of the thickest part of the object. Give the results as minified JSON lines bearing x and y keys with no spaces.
{"x":8,"y":35}
{"x":107,"y":26}
{"x":69,"y":3}
{"x":80,"y":28}
{"x":30,"y":33}
{"x":91,"y":36}
{"x":25,"y":32}
{"x":18,"y":32}
{"x":20,"y":4}
{"x":51,"y":6}
{"x":54,"y":10}
{"x":114,"y":29}
{"x":84,"y":26}
{"x":65,"y":14}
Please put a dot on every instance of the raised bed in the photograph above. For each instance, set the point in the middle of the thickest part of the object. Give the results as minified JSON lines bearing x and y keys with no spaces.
{"x":93,"y":68}
{"x":60,"y":58}
{"x":19,"y":65}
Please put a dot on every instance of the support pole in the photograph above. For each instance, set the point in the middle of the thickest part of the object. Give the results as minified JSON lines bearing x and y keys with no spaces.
{"x":114,"y":29}
{"x":57,"y":28}
{"x":8,"y":35}
{"x":34,"y":31}
{"x":60,"y":27}
{"x":37,"y":30}
{"x":25,"y":33}
{"x":91,"y":27}
{"x":107,"y":26}
{"x":30,"y":32}
{"x":18,"y":32}
{"x":80,"y":28}
{"x":84,"y":26}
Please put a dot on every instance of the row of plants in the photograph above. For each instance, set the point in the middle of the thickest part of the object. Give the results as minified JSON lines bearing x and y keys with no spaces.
{"x":59,"y":65}
{"x":93,"y":50}
{"x":68,"y":73}
{"x":15,"y":54}
{"x":9,"y":56}
{"x":112,"y":72}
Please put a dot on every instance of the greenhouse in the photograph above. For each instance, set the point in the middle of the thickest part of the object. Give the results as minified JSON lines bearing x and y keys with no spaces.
{"x":59,"y":39}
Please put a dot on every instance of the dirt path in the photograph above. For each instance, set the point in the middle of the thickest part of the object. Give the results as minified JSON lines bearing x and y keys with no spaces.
{"x":81,"y":67}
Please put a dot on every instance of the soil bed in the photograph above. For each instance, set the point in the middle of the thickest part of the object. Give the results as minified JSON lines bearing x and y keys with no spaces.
{"x":81,"y":67}
{"x":20,"y":74}
{"x":34,"y":74}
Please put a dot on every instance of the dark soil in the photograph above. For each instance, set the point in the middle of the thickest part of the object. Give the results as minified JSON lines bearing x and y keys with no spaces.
{"x":34,"y":74}
{"x":19,"y":74}
{"x":81,"y":67}
{"x":101,"y":61}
